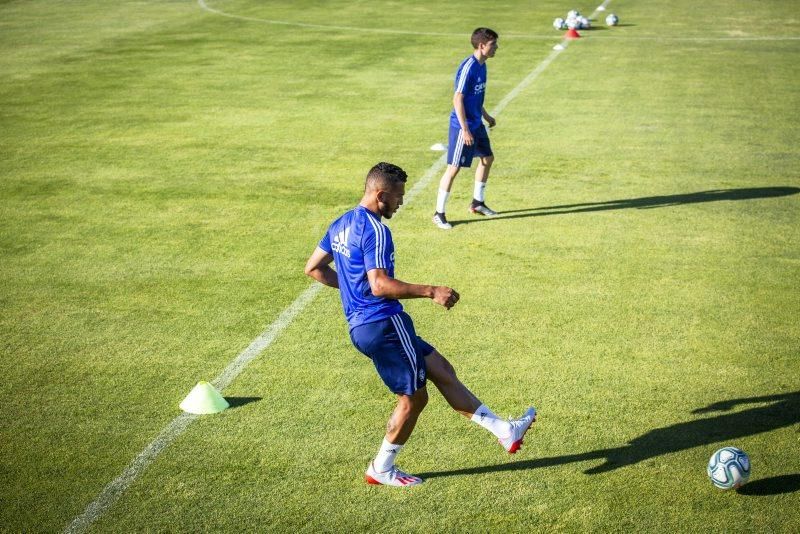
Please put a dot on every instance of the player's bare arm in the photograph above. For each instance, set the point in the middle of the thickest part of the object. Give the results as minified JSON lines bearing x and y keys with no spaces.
{"x":458,"y":105}
{"x":488,"y":118}
{"x":385,"y":286}
{"x":319,"y":268}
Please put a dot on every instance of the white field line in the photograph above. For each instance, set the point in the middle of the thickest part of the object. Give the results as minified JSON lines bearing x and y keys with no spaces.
{"x":512,"y":35}
{"x":527,"y":81}
{"x":539,"y":68}
{"x":205,"y":6}
{"x":461,"y":35}
{"x":266,"y":338}
{"x":117,"y":487}
{"x":685,"y":39}
{"x":114,"y":490}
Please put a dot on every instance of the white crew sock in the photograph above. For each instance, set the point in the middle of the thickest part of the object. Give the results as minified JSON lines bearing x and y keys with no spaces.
{"x":488,"y":420}
{"x":441,"y":200}
{"x":384,"y":460}
{"x":479,"y":187}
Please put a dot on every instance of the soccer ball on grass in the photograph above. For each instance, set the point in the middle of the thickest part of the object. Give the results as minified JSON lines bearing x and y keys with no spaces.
{"x":612,"y":20}
{"x":729,"y":468}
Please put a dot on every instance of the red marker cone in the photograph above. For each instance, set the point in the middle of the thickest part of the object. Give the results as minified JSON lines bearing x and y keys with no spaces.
{"x":572,"y":34}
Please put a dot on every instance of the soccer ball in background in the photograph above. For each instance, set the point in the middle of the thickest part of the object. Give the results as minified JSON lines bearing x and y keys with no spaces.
{"x":729,"y":468}
{"x":573,"y":21}
{"x":612,"y":20}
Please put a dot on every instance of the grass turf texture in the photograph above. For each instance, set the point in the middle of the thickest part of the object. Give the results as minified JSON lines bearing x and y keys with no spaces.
{"x":166,"y":171}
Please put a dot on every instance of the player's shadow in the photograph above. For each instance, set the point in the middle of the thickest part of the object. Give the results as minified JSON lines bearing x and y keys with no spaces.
{"x":748,"y":193}
{"x":772,"y":485}
{"x":780,"y":411}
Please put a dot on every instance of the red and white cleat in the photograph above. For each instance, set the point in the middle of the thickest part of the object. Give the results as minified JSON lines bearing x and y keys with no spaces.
{"x":479,"y":208}
{"x":392,"y":477}
{"x":519,"y":427}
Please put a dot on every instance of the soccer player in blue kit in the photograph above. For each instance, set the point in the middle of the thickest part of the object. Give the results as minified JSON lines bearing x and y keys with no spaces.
{"x":362,"y":250}
{"x":468,"y":137}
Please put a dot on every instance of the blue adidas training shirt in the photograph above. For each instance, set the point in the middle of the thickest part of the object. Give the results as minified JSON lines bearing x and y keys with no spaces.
{"x":360,"y":242}
{"x":471,"y":82}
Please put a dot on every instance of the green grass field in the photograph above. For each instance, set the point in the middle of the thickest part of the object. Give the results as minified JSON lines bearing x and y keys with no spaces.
{"x":167,"y":167}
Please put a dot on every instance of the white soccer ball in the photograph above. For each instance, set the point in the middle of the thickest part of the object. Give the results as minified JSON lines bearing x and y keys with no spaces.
{"x":558,"y":24}
{"x":729,"y":468}
{"x":573,"y":24}
{"x":584,"y":23}
{"x":573,"y":14}
{"x":612,"y":20}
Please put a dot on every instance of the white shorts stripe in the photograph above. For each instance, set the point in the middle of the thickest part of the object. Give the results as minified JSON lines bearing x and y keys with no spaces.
{"x":405,"y":339}
{"x":411,"y":354}
{"x":459,"y":149}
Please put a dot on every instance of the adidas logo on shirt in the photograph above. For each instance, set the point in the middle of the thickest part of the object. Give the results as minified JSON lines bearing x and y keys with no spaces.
{"x":340,"y":243}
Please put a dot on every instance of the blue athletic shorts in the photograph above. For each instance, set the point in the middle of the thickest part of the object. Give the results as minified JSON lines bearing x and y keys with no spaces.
{"x":460,"y":154}
{"x":396,"y":350}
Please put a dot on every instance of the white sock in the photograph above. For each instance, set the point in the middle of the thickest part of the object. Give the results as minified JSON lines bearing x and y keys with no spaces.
{"x":488,"y":420}
{"x":441,"y":200}
{"x":479,"y":187}
{"x":386,"y":455}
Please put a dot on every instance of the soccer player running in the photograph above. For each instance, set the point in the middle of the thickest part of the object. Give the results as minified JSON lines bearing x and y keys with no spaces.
{"x":361,"y":248}
{"x":468,"y":137}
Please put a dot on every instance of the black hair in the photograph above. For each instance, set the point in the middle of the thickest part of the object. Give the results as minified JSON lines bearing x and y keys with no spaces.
{"x":385,"y":175}
{"x":482,"y":36}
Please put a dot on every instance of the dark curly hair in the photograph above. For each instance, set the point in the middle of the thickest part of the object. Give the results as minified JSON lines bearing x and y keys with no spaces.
{"x":385,"y":175}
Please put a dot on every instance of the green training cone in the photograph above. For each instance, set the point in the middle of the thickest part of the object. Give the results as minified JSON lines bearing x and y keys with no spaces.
{"x":204,"y":399}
